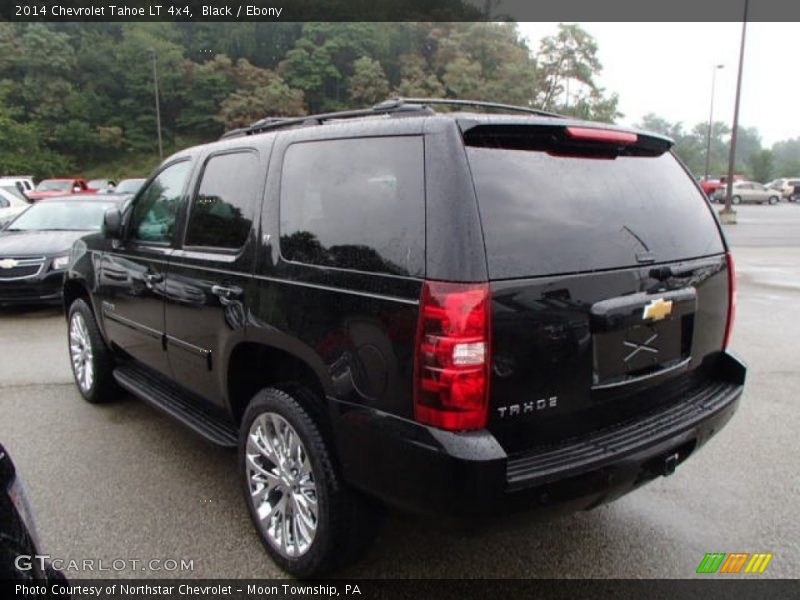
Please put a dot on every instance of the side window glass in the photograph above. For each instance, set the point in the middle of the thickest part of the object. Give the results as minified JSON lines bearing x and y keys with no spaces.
{"x":156,"y":208}
{"x":4,"y":203}
{"x":355,"y":204}
{"x":222,"y":211}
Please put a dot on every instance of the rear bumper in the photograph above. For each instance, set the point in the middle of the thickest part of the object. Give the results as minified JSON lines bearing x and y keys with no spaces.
{"x":463,"y":474}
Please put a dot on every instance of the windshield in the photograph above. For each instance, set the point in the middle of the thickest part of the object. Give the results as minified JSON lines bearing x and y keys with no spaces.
{"x":129,"y":186}
{"x":70,"y":215}
{"x":548,"y":214}
{"x":54,"y":186}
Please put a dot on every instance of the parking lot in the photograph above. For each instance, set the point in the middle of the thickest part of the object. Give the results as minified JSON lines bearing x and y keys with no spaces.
{"x":123,"y":481}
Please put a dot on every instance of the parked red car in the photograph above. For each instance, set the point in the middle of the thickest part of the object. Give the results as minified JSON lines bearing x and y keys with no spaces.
{"x":712,"y":185}
{"x":48,"y":188}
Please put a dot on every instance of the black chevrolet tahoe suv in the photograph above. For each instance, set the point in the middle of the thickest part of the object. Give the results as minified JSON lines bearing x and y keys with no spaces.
{"x":455,"y":313}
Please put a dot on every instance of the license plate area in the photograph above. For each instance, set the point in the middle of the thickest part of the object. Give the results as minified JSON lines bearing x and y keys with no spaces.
{"x":628,"y":346}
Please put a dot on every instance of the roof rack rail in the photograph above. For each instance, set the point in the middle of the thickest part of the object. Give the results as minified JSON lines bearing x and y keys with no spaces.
{"x":271,"y":123}
{"x":387,"y":107}
{"x":396,"y":102}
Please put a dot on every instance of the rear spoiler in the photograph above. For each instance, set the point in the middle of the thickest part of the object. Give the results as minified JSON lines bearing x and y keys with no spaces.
{"x":572,"y":139}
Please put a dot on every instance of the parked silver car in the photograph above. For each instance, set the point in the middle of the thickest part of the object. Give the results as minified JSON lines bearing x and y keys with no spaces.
{"x":784,"y":185}
{"x":748,"y":191}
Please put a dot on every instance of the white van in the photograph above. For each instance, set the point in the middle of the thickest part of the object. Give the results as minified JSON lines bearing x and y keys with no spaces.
{"x":10,"y":206}
{"x":24,"y":183}
{"x":784,"y":185}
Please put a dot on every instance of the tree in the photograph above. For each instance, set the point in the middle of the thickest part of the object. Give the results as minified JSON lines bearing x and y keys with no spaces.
{"x":567,"y":65}
{"x":762,"y":165}
{"x":787,"y":158}
{"x":507,"y":69}
{"x":258,"y":93}
{"x":135,"y":107}
{"x":43,"y":68}
{"x":748,"y":144}
{"x":322,"y":60}
{"x":416,"y":80}
{"x":21,"y":148}
{"x":690,"y":146}
{"x":656,"y":124}
{"x":205,"y":88}
{"x":10,"y":47}
{"x":368,"y":82}
{"x":463,"y":78}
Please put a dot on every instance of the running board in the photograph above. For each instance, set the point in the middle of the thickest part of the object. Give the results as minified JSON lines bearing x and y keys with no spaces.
{"x":164,"y":397}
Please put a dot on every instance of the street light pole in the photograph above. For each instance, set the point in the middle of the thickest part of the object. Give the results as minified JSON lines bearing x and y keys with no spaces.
{"x":711,"y":117}
{"x":158,"y":105}
{"x":727,"y":214}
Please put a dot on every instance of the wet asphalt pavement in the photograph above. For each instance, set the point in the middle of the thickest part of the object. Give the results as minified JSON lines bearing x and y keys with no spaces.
{"x":125,"y":482}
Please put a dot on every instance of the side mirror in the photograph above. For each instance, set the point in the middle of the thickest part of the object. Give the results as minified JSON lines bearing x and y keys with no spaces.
{"x":112,"y":224}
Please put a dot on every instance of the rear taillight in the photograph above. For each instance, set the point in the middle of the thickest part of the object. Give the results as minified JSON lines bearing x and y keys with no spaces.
{"x":731,"y":300}
{"x":453,"y":356}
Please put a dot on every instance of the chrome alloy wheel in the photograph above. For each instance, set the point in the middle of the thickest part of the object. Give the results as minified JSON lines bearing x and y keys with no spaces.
{"x":281,"y":482}
{"x":80,"y":351}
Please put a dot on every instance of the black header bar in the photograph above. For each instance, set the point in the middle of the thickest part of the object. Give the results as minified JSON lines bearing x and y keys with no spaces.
{"x":396,"y":10}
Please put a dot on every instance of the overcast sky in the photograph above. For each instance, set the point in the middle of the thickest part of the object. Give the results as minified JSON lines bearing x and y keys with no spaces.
{"x":666,"y":68}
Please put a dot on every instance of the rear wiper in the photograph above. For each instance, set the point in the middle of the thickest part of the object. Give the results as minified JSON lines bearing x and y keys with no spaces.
{"x":642,"y":257}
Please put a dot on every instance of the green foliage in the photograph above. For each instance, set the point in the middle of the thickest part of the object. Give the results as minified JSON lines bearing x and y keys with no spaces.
{"x":752,"y":160}
{"x":80,"y":97}
{"x":274,"y":98}
{"x":416,"y":80}
{"x":567,"y":66}
{"x":368,"y":82}
{"x":322,"y":59}
{"x":762,"y":165}
{"x":787,"y":158}
{"x":21,"y":150}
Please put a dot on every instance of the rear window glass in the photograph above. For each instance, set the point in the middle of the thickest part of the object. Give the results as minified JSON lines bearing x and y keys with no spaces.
{"x":547,"y":214}
{"x":355,"y":204}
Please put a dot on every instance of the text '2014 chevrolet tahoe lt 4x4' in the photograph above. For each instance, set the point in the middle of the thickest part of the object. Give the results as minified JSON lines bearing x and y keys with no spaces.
{"x":455,"y":313}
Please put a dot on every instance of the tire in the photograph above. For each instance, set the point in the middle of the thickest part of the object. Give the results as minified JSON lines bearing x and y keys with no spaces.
{"x":91,"y":360}
{"x":773,"y":199}
{"x":736,"y":200}
{"x":344,"y":523}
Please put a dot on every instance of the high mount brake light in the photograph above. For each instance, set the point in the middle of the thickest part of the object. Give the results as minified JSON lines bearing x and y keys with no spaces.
{"x":451,"y":388}
{"x":592,"y":134}
{"x":731,"y":300}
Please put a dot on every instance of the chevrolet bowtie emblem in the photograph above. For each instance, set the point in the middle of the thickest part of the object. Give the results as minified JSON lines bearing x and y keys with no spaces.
{"x":8,"y":263}
{"x":657,"y":310}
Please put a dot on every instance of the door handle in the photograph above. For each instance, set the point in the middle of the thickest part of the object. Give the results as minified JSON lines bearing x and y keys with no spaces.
{"x":227,"y":292}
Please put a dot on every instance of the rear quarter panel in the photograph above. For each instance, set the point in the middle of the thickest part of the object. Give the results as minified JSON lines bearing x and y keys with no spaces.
{"x":356,"y":330}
